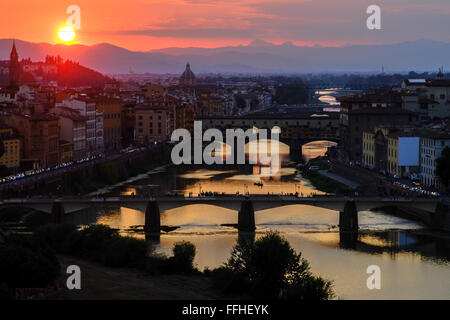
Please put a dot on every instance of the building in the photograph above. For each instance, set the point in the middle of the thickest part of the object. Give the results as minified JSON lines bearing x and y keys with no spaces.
{"x":73,"y":130}
{"x":430,"y":98}
{"x":185,"y":114}
{"x":187,"y":79}
{"x":152,"y":124}
{"x":66,"y":151}
{"x":368,"y":159}
{"x":128,"y":124}
{"x":403,"y":153}
{"x":361,"y":113}
{"x":153,"y":90}
{"x":94,"y":125}
{"x":211,"y":106}
{"x":40,"y":134}
{"x":393,"y":150}
{"x":112,"y":123}
{"x":11,"y":148}
{"x":14,"y":68}
{"x":432,"y":143}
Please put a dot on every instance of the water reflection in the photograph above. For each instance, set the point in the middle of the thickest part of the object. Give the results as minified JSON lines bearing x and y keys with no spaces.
{"x":414,"y":263}
{"x":316,"y":149}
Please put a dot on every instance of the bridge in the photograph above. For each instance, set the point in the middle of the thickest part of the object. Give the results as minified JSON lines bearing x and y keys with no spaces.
{"x":297,"y":128}
{"x":338,"y":93}
{"x":435,"y":213}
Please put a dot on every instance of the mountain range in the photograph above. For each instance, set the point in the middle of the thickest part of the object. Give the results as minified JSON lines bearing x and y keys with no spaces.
{"x":257,"y":57}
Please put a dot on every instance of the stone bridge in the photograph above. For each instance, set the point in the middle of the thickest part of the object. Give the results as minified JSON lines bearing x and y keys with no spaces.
{"x":433,"y":212}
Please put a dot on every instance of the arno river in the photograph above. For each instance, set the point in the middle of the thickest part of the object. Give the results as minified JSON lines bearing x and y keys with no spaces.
{"x":414,"y":264}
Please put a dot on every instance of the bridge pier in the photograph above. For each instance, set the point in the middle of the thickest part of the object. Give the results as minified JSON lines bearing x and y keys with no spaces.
{"x":152,"y":218}
{"x":348,"y":219}
{"x":348,"y":239}
{"x":246,"y":218}
{"x":295,"y":150}
{"x":440,"y":219}
{"x":58,"y":212}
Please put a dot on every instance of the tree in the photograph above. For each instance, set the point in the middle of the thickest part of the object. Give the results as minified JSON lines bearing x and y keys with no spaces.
{"x":271,"y":269}
{"x":443,"y":167}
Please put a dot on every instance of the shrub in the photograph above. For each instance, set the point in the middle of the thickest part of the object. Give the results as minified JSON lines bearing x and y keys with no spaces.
{"x":183,"y":257}
{"x":37,"y":218}
{"x":22,"y":267}
{"x":229,"y":281}
{"x":11,"y":214}
{"x":55,"y":236}
{"x":101,"y":244}
{"x":270,"y":268}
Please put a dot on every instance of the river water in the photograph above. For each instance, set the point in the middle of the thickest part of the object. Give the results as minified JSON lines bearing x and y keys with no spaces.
{"x":414,"y":263}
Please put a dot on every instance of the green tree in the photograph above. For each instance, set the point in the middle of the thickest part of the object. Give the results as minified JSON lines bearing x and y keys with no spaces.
{"x":443,"y":167}
{"x":271,"y":269}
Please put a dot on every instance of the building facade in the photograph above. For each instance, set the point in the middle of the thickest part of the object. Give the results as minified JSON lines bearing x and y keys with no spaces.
{"x":432,"y":145}
{"x":112,"y":123}
{"x":11,"y":148}
{"x":151,"y":124}
{"x":40,"y":133}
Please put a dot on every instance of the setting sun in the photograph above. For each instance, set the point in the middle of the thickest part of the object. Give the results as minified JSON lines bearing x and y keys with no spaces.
{"x":66,"y":34}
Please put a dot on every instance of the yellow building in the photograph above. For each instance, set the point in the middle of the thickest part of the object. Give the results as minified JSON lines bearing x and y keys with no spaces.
{"x":65,"y":151}
{"x":393,"y":163}
{"x":11,"y":144}
{"x":112,"y":122}
{"x":369,"y":149}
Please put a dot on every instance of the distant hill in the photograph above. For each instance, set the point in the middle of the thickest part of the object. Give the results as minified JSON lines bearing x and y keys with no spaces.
{"x":66,"y":73}
{"x":257,"y":57}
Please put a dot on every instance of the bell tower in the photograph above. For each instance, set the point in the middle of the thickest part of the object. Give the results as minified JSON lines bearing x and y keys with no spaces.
{"x":14,"y":68}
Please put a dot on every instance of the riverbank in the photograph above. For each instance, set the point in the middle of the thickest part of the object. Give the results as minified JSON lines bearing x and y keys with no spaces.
{"x":323,"y":182}
{"x":108,"y":174}
{"x":105,"y":283}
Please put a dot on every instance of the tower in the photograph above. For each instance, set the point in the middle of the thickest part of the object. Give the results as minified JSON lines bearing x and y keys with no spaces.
{"x":440,"y":74}
{"x":14,"y":68}
{"x":188,"y":77}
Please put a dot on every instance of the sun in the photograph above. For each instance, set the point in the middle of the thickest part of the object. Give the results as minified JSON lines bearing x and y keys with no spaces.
{"x":66,"y":34}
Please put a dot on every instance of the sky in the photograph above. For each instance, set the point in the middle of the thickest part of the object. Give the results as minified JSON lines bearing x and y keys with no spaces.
{"x":143,"y":25}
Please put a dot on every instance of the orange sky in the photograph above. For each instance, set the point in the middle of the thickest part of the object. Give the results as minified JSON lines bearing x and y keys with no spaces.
{"x":149,"y":24}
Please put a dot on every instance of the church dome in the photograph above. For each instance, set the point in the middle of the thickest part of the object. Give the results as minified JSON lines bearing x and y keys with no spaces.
{"x":188,"y":77}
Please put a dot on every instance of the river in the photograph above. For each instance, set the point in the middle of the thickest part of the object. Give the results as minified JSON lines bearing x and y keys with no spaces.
{"x":414,"y":263}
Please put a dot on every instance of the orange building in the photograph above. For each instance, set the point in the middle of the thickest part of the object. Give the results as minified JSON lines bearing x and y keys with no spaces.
{"x":40,"y":133}
{"x":151,"y":124}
